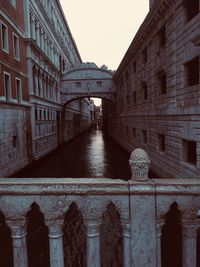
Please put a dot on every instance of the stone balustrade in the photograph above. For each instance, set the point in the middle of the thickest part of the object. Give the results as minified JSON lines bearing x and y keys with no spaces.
{"x":141,"y":203}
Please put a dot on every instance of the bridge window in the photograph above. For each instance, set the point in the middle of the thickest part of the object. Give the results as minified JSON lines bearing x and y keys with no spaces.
{"x":99,"y":83}
{"x":189,"y":151}
{"x":78,"y":84}
{"x":192,"y":72}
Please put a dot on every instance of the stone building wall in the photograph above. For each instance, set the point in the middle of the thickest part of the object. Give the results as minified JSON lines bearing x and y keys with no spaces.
{"x":36,"y":48}
{"x":158,"y":90}
{"x":14,"y":106}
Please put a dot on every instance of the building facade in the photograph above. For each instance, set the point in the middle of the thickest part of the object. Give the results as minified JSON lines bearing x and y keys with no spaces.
{"x":14,"y":95}
{"x":158,"y":86}
{"x":37,"y":47}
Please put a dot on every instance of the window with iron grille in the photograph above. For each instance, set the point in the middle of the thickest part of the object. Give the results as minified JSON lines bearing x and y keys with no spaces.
{"x":192,"y":72}
{"x":161,"y":142}
{"x":189,"y":151}
{"x":162,"y":80}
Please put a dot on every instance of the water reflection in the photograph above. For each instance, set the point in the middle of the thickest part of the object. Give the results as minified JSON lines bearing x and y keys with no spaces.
{"x":91,"y":154}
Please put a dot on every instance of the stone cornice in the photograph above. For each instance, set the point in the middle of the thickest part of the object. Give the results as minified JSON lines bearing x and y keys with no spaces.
{"x":38,"y":50}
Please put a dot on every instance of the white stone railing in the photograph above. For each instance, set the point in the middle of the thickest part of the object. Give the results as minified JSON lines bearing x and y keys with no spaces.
{"x":141,"y":202}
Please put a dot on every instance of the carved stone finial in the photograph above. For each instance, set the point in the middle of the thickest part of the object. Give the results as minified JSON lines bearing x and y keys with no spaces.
{"x":139,"y":163}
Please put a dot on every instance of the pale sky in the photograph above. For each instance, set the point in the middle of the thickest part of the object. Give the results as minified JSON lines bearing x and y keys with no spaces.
{"x":103,"y":30}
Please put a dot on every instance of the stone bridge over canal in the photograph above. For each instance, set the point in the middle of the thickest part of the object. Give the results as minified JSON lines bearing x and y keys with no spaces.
{"x":87,"y":80}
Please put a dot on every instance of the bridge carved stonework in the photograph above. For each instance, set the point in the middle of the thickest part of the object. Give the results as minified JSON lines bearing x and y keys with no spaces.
{"x":87,"y":80}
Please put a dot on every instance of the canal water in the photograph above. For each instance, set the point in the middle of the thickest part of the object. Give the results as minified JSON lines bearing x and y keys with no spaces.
{"x":92,"y":154}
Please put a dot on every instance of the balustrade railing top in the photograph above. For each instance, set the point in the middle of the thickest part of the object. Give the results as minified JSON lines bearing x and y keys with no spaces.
{"x":141,"y":202}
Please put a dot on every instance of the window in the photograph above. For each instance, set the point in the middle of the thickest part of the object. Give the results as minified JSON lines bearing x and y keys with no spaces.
{"x":99,"y":83}
{"x":144,"y":136}
{"x":78,"y":84}
{"x":134,"y":67}
{"x":189,"y":151}
{"x":127,"y":75}
{"x":144,"y":53}
{"x":7,"y":86}
{"x":14,"y":142}
{"x":134,"y":132}
{"x":18,"y":90}
{"x":134,"y":97}
{"x":191,"y":8}
{"x":4,"y":37}
{"x":162,"y":36}
{"x":162,"y":79}
{"x":16,"y":46}
{"x":13,"y":2}
{"x":192,"y":72}
{"x":145,"y":91}
{"x":161,"y":142}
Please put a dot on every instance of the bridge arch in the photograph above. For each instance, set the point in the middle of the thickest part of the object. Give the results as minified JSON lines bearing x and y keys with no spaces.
{"x":87,"y":80}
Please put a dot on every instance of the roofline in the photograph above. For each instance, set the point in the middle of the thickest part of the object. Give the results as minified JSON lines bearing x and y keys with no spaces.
{"x":67,"y":26}
{"x":145,"y":24}
{"x":80,"y":69}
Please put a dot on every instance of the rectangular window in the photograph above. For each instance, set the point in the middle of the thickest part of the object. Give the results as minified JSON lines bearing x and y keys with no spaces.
{"x":16,"y":46}
{"x":134,"y":97}
{"x":162,"y":79}
{"x":144,"y":136}
{"x":191,"y":8}
{"x":134,"y":132}
{"x":18,"y":90}
{"x":127,"y":75}
{"x":14,"y":142}
{"x":145,"y":90}
{"x":144,"y":54}
{"x":189,"y":151}
{"x":4,"y":37}
{"x":192,"y":72}
{"x":78,"y":84}
{"x":127,"y":130}
{"x":161,"y":142}
{"x":7,"y":86}
{"x":13,"y":2}
{"x":162,"y":36}
{"x":99,"y":83}
{"x":134,"y":67}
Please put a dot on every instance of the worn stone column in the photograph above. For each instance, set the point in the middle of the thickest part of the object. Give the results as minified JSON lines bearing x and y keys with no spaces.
{"x":142,"y":211}
{"x":18,"y":233}
{"x":38,"y":33}
{"x":56,"y":243}
{"x":126,"y":233}
{"x":189,"y":234}
{"x":159,"y":226}
{"x":93,"y":243}
{"x":33,"y":35}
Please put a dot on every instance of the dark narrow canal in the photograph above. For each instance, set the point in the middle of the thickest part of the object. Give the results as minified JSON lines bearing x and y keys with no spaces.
{"x":92,"y":154}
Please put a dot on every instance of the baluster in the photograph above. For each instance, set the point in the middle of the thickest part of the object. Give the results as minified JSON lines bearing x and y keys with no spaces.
{"x":18,"y":233}
{"x":189,"y":234}
{"x":56,"y":242}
